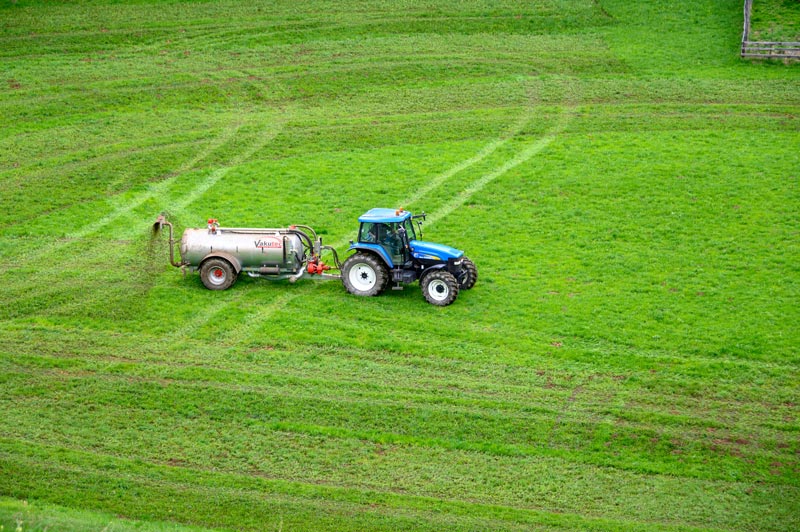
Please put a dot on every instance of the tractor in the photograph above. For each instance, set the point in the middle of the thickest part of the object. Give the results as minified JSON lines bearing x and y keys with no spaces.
{"x":388,"y":252}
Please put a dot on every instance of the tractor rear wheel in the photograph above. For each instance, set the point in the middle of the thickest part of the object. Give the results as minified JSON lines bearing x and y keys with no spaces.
{"x":472,"y":274}
{"x":440,"y":288}
{"x":217,"y":274}
{"x":363,"y":274}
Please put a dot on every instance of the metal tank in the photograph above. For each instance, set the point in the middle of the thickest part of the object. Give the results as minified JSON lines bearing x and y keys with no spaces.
{"x":266,"y":251}
{"x":220,"y":254}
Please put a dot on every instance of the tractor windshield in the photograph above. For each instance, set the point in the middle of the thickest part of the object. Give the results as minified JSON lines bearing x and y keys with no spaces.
{"x":409,"y":227}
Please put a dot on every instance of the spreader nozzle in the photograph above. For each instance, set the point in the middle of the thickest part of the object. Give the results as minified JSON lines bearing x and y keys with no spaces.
{"x":159,"y":223}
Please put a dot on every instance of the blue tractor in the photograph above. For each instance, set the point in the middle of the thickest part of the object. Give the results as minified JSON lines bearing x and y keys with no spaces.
{"x":387,"y":251}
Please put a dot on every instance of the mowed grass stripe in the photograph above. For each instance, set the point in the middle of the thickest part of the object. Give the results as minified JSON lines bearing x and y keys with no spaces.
{"x":185,"y":493}
{"x":625,"y":490}
{"x":543,"y":390}
{"x":476,"y":379}
{"x":618,"y":426}
{"x":365,"y":416}
{"x":671,"y":374}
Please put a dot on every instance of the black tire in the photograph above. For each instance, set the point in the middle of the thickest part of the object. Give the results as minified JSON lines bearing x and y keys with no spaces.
{"x":471,"y":278}
{"x":364,"y":274}
{"x":440,"y":288}
{"x":217,"y":274}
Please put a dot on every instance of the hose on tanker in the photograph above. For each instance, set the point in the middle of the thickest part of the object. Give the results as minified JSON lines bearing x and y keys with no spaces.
{"x":303,"y":235}
{"x":335,"y":256}
{"x":309,"y":228}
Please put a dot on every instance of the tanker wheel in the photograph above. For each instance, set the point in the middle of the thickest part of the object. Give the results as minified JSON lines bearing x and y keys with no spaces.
{"x":217,"y":274}
{"x":472,"y":274}
{"x":440,"y":288}
{"x":364,"y":274}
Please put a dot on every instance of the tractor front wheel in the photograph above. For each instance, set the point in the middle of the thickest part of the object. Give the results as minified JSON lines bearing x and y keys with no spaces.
{"x":364,"y":274}
{"x":217,"y":274}
{"x":472,"y":274}
{"x":440,"y":288}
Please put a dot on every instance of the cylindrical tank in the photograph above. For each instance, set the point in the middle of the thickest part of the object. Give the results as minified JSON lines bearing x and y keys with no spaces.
{"x":264,"y":251}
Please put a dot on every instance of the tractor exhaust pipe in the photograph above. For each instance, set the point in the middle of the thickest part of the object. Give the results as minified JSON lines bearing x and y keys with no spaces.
{"x":158,"y":225}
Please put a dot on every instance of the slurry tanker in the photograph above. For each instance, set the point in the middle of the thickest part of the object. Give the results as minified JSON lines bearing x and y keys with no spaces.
{"x":387,"y":252}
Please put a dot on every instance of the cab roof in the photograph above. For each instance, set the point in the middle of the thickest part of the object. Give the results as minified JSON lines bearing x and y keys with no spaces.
{"x":384,"y":215}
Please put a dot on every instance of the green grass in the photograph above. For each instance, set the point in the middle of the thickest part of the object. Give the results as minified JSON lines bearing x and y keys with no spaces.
{"x":24,"y":516}
{"x":775,"y":20}
{"x":627,"y":186}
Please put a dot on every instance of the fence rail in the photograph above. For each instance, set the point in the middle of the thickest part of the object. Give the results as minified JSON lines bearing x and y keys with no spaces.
{"x":771,"y":50}
{"x":765,"y":49}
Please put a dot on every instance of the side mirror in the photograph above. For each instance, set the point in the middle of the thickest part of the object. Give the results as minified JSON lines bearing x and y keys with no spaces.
{"x":418,"y":218}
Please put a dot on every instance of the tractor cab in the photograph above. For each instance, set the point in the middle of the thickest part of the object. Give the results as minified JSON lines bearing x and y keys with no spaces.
{"x":389,"y":233}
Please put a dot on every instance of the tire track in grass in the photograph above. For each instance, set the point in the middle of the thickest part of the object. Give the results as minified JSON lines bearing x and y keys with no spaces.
{"x":160,"y":189}
{"x":281,"y":302}
{"x":267,"y":136}
{"x":486,"y":151}
{"x":249,"y":325}
{"x":437,"y":181}
{"x":236,"y":334}
{"x":125,"y":208}
{"x":463,"y":165}
{"x":476,"y":186}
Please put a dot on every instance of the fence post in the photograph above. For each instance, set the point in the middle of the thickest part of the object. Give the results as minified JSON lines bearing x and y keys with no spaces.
{"x":748,"y":6}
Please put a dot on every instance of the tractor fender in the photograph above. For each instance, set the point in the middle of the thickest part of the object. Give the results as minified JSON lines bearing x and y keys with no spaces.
{"x":429,"y":269}
{"x":376,"y":249}
{"x":235,"y":262}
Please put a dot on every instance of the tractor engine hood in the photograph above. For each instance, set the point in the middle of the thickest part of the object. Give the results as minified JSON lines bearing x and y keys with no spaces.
{"x":431,"y":251}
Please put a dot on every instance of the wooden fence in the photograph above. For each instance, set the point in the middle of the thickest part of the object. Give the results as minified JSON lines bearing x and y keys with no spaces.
{"x":765,"y":49}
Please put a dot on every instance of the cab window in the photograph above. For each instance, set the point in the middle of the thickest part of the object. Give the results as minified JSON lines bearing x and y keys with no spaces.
{"x":409,"y":227}
{"x":368,"y":233}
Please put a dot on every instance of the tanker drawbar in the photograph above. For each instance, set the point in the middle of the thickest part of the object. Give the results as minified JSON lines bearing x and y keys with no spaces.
{"x":220,"y":254}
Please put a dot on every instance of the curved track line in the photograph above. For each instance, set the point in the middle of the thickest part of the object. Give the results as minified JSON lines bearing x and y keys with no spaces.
{"x":160,"y":189}
{"x":245,"y":329}
{"x":157,"y":189}
{"x":219,"y":173}
{"x":477,"y":185}
{"x":478,"y":157}
{"x":279,"y":303}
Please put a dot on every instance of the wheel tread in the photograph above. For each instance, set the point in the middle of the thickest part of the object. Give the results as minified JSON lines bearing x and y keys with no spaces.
{"x":445,"y":277}
{"x":208,"y":265}
{"x":472,"y":274}
{"x":381,"y":274}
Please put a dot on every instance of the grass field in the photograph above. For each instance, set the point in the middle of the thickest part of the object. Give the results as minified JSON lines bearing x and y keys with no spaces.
{"x":776,"y":20}
{"x":627,"y":186}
